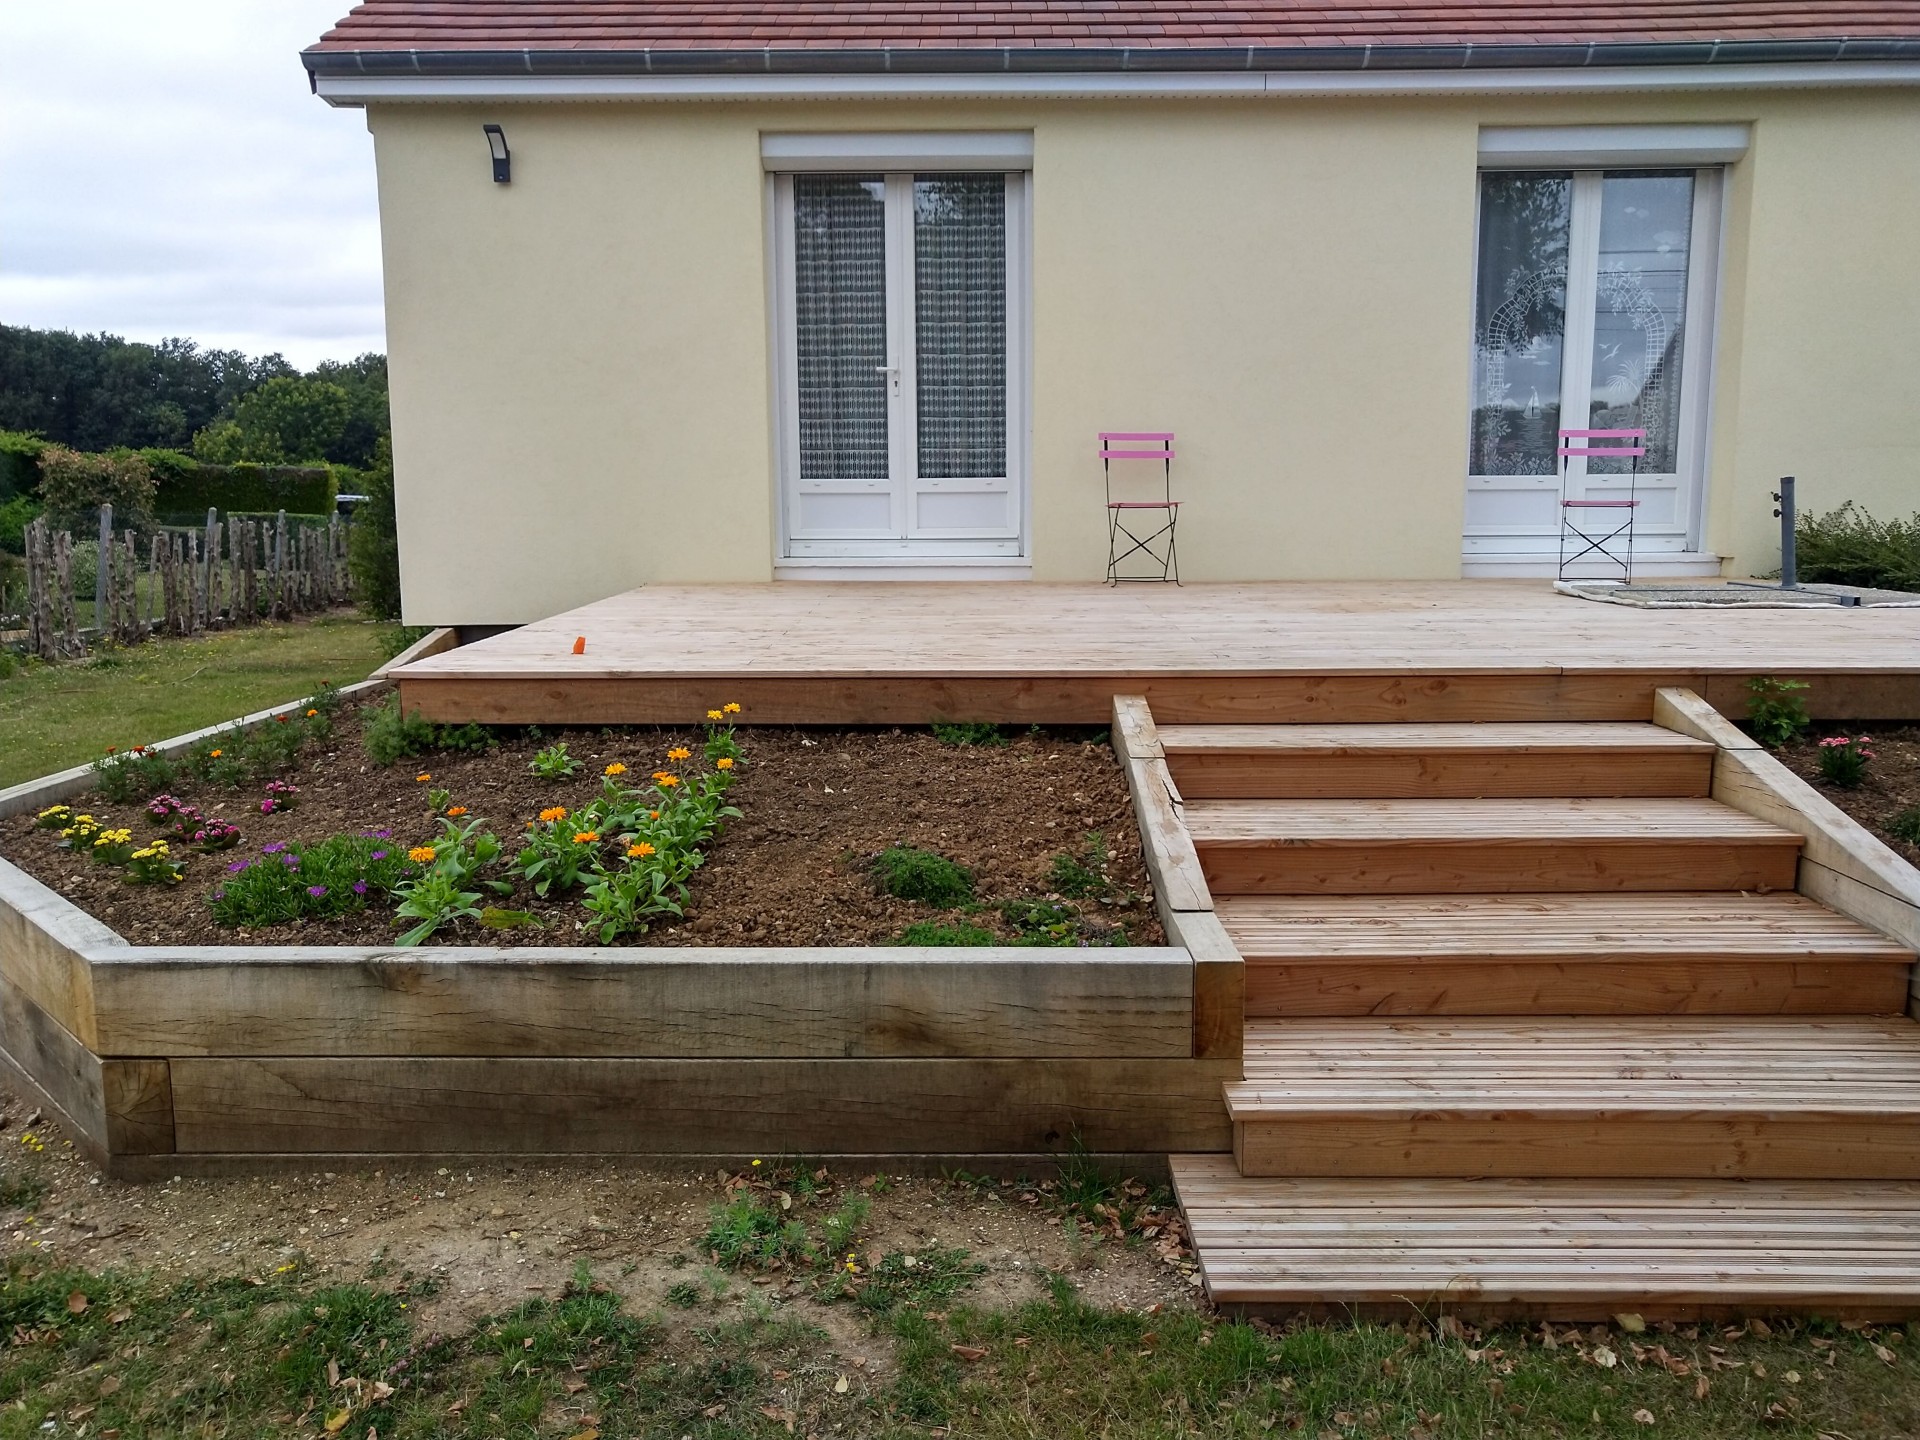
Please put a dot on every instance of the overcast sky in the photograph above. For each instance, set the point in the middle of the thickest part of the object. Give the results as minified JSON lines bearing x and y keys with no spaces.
{"x":165,"y":171}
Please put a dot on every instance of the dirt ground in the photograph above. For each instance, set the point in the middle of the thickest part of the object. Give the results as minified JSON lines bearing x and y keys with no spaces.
{"x":498,"y":1233}
{"x":794,"y":870}
{"x":1891,"y":786}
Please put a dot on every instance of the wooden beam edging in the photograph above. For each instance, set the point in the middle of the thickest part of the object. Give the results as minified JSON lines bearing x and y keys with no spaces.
{"x":65,"y":784}
{"x":1843,"y":865}
{"x":434,"y":642}
{"x":1180,"y":891}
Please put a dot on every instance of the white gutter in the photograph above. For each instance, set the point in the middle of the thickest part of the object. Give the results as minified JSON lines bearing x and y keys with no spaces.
{"x":349,"y":90}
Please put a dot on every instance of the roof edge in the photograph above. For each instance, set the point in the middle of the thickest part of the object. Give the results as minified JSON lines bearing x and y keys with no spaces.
{"x":912,"y":60}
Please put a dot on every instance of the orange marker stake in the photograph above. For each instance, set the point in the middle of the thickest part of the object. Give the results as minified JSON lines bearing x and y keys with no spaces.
{"x":579,"y":644}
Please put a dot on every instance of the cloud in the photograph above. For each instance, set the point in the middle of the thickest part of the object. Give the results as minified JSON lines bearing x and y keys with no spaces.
{"x":164,"y":170}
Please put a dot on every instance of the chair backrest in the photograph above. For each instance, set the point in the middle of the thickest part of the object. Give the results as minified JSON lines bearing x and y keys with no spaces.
{"x":1125,"y":444}
{"x":1636,"y":447}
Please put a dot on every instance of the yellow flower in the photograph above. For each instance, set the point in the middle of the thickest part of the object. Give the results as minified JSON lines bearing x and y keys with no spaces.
{"x":725,"y":762}
{"x":732,"y":707}
{"x":423,"y":777}
{"x":553,"y":813}
{"x":664,"y":780}
{"x":421,"y":854}
{"x":639,"y":850}
{"x":616,"y":768}
{"x":715,"y":715}
{"x":679,"y":752}
{"x":586,"y":837}
{"x":453,"y":810}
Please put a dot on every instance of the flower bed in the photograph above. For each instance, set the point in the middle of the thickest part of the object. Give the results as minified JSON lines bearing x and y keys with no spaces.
{"x":1883,"y":765}
{"x":639,"y":836}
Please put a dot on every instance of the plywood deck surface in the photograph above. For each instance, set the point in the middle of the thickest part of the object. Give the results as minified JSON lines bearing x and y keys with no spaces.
{"x":977,"y":629}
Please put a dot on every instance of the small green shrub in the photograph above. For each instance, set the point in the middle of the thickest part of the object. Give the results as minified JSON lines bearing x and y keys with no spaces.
{"x":288,"y":882}
{"x":15,"y":515}
{"x":553,"y":763}
{"x":395,"y":638}
{"x":373,"y":547}
{"x":751,"y":1231}
{"x":19,"y":463}
{"x":968,"y":732}
{"x":1079,"y":879}
{"x":1906,"y":825}
{"x":390,"y":735}
{"x":73,"y":486}
{"x":1844,"y":760}
{"x":1775,"y":712}
{"x":684,"y":1294}
{"x":909,"y":874}
{"x":123,"y":776}
{"x":1849,"y":547}
{"x":932,"y":933}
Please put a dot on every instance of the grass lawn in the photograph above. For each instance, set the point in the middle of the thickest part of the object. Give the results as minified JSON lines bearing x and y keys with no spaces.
{"x":54,"y":716}
{"x":283,"y":1353}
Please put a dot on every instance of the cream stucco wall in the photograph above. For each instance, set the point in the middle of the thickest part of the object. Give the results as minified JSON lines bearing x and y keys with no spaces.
{"x":580,"y":359}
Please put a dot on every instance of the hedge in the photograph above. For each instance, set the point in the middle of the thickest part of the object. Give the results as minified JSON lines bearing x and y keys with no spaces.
{"x":187,"y":487}
{"x":19,"y":464}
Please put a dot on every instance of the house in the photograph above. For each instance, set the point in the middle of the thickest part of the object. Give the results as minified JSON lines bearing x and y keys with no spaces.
{"x":689,"y":291}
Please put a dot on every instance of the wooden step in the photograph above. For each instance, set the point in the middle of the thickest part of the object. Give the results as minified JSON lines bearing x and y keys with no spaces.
{"x":1427,"y":847}
{"x":1607,"y":954}
{"x":1434,"y":761}
{"x":1652,"y":1097}
{"x":1553,"y":1249}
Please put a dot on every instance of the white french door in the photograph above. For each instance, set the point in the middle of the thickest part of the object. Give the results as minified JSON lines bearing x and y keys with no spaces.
{"x":1593,"y":310}
{"x":901,"y":384}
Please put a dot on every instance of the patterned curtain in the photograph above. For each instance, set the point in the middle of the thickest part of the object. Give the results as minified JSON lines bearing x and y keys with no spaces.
{"x":960,"y":298}
{"x":1520,"y":321}
{"x":840,"y":314}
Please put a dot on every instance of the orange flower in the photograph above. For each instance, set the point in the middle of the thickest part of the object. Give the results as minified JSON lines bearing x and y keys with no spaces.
{"x":586,"y":837}
{"x":616,"y":769}
{"x":312,"y":713}
{"x":664,"y":780}
{"x":420,"y":854}
{"x":679,"y":752}
{"x":731,"y":707}
{"x":423,"y":777}
{"x":453,"y":810}
{"x":553,"y":813}
{"x":215,"y":754}
{"x":725,"y":762}
{"x":653,"y":814}
{"x":639,"y":850}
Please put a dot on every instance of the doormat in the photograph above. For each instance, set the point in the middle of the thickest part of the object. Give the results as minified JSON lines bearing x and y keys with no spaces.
{"x":1722,"y":596}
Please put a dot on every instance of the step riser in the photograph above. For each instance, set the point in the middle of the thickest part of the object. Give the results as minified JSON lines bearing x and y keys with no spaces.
{"x":1533,"y":866}
{"x":1276,"y":989}
{"x":1654,"y":1147}
{"x":1310,"y":776}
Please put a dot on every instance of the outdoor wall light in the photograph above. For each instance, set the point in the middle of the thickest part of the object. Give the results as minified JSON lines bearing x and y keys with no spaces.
{"x":502,"y":157}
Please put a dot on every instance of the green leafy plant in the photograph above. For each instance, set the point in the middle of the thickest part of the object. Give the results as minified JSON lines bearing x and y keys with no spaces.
{"x":968,"y":732}
{"x":1775,"y":712}
{"x":553,"y":763}
{"x":909,"y":874}
{"x":391,"y":734}
{"x":753,"y":1231}
{"x":123,"y":776}
{"x":111,"y":847}
{"x":1079,"y":879}
{"x":935,"y":935}
{"x":152,"y":865}
{"x":916,"y":1281}
{"x":435,"y":900}
{"x":1906,"y":825}
{"x":1844,"y":760}
{"x":288,"y":882}
{"x":558,"y":853}
{"x":626,"y":901}
{"x":1847,"y":546}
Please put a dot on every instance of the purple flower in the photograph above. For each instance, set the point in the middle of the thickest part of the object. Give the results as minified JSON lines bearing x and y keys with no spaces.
{"x":220,"y":894}
{"x":238,"y":866}
{"x":378,"y":855}
{"x":359,"y":887}
{"x":383,"y":834}
{"x":292,"y":862}
{"x":273,"y":849}
{"x":266,"y":807}
{"x":316,"y":891}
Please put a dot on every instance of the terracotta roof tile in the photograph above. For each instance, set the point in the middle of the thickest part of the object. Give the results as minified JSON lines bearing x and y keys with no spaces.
{"x":718,"y":25}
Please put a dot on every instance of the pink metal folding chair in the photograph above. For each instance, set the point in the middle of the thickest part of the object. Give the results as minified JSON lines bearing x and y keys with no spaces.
{"x":1575,"y":528}
{"x":1156,"y":544}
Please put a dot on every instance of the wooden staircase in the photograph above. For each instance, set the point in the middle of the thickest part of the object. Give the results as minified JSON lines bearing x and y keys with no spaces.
{"x":1535,"y":1026}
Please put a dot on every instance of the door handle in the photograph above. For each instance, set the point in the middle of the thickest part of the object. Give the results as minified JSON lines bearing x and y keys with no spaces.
{"x":892,"y":372}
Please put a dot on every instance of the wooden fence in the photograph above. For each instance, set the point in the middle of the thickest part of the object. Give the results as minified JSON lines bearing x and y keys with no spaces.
{"x":237,"y":571}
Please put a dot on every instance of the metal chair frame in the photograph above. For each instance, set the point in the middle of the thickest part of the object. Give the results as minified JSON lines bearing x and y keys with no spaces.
{"x":1156,"y":544}
{"x":1595,"y":543}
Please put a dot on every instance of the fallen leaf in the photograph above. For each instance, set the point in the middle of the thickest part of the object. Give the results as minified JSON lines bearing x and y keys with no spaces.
{"x":76,"y":1303}
{"x":1604,"y":1358}
{"x":1643,"y":1417}
{"x":969,"y":1352}
{"x":574,"y":1387}
{"x":1632,"y":1324}
{"x":333,"y":1373}
{"x":1700,"y":1388}
{"x":1757,"y":1326}
{"x":109,"y":1385}
{"x":79,"y":1413}
{"x":842,"y":1385}
{"x":120,"y":1316}
{"x":1792,"y":1377}
{"x":585,"y":1435}
{"x":337,"y":1421}
{"x":381,"y":1391}
{"x":1881,"y":1352}
{"x":456,"y":1407}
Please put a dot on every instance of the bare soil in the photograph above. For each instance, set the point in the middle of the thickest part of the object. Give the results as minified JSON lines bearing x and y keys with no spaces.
{"x":500,"y":1232}
{"x":817,"y":806}
{"x":1891,"y":786}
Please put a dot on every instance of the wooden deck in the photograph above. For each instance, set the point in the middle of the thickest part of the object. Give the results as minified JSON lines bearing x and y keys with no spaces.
{"x":854,"y":653}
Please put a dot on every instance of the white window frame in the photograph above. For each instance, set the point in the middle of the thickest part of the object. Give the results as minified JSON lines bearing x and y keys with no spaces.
{"x":898,"y":157}
{"x":1588,"y":151}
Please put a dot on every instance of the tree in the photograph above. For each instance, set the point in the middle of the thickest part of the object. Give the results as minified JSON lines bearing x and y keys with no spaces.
{"x":373,"y":554}
{"x":284,"y":422}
